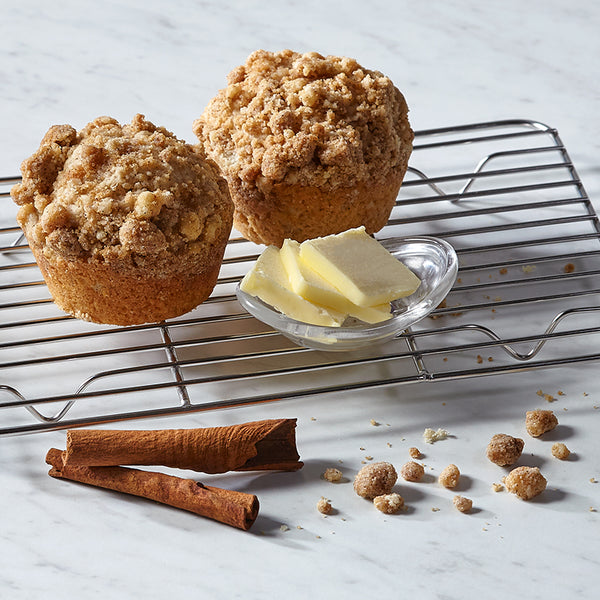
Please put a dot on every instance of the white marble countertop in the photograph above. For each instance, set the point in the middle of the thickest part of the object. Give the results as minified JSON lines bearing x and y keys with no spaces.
{"x":457,"y":62}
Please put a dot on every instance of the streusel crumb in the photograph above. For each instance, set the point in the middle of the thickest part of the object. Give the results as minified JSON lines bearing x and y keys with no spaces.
{"x":497,"y":487}
{"x":375,"y":479}
{"x":306,"y":119}
{"x":389,"y":503}
{"x":412,"y":471}
{"x":414,"y":452}
{"x":560,"y":451}
{"x":332,"y":474}
{"x":464,"y":505}
{"x":450,"y":476}
{"x":539,"y":422}
{"x":504,"y":449}
{"x":525,"y":482}
{"x":324,"y":506}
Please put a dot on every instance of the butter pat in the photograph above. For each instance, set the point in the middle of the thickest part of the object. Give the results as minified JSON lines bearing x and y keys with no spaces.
{"x":359,"y":267}
{"x":268,"y":280}
{"x":314,"y":288}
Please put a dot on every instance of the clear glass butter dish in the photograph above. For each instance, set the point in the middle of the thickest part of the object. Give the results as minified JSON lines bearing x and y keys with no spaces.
{"x":433,"y":260}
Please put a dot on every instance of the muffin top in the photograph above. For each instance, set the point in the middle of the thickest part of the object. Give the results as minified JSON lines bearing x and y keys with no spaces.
{"x":306,"y":119}
{"x":120,"y":192}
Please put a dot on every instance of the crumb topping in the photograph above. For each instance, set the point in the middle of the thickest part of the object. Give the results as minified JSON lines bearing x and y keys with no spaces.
{"x":120,"y":192}
{"x":375,"y":479}
{"x":560,"y":451}
{"x":525,"y":482}
{"x":333,"y":475}
{"x":504,"y":449}
{"x":464,"y":505}
{"x":389,"y":503}
{"x":450,"y":476}
{"x":412,"y":471}
{"x":306,"y":119}
{"x":414,"y":452}
{"x":324,"y":506}
{"x":538,"y":422}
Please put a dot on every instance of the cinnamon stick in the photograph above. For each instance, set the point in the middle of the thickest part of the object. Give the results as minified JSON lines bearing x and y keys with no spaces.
{"x":226,"y":506}
{"x":258,"y":445}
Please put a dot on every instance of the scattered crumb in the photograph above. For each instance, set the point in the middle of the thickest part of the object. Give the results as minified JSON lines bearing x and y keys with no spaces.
{"x":412,"y":471}
{"x":435,"y":509}
{"x":389,"y":503}
{"x":503,"y":271}
{"x":539,"y":422}
{"x":560,"y":451}
{"x":414,"y":452}
{"x":389,"y":445}
{"x":375,"y":423}
{"x":525,"y":482}
{"x":479,"y":359}
{"x":333,"y":475}
{"x":504,"y":449}
{"x":324,"y":506}
{"x":450,"y":477}
{"x":592,"y":509}
{"x":561,"y":393}
{"x":430,"y":436}
{"x":497,"y":487}
{"x":528,"y":268}
{"x":313,"y":419}
{"x":298,"y":526}
{"x":464,"y":505}
{"x":490,"y":359}
{"x":368,"y":458}
{"x":593,"y":480}
{"x":361,"y":448}
{"x":375,"y":479}
{"x":569,"y":268}
{"x":284,"y":528}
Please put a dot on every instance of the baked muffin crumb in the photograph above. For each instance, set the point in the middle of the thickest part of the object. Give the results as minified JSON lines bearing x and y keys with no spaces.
{"x":538,"y":422}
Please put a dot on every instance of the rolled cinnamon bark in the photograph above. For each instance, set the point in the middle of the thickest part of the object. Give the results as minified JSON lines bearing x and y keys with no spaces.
{"x":258,"y":445}
{"x":237,"y":509}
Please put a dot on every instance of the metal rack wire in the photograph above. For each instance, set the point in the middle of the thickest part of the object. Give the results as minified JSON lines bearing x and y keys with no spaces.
{"x":505,"y":194}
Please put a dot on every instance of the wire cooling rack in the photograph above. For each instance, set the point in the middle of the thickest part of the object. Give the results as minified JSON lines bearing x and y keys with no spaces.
{"x":505,"y":194}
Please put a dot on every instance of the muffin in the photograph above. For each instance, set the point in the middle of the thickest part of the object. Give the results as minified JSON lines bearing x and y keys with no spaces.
{"x":128,"y":224}
{"x":309,"y":145}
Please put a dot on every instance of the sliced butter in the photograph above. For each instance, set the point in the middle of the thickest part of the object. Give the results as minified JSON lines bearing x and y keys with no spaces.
{"x":314,"y":288}
{"x":269,"y":281}
{"x":359,"y":267}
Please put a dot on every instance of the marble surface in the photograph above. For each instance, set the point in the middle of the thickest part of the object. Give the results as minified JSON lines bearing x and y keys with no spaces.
{"x":457,"y":62}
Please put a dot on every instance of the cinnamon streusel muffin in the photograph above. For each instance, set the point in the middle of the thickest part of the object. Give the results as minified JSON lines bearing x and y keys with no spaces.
{"x":128,"y":224}
{"x":309,"y":145}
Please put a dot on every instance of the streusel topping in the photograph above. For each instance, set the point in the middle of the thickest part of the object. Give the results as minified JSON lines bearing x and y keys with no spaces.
{"x":112,"y":191}
{"x":306,"y":119}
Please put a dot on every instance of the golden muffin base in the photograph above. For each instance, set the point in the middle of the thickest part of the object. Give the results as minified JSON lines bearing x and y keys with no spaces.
{"x":124,"y":295}
{"x":279,"y":211}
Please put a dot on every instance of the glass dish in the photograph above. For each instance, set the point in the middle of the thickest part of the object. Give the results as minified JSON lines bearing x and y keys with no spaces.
{"x":433,"y":260}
